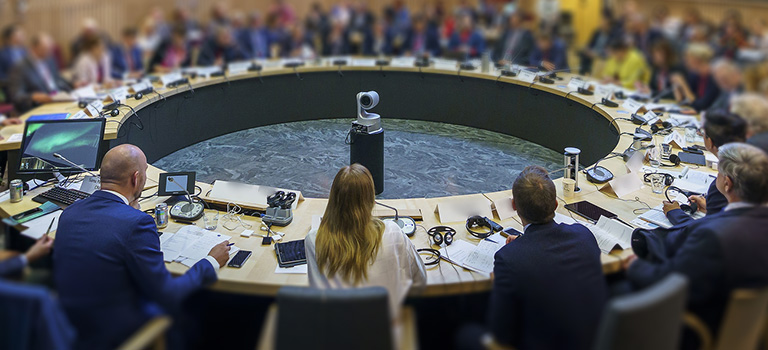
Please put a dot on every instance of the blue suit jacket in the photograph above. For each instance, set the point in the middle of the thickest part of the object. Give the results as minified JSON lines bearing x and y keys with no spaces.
{"x":476,"y":43}
{"x":120,"y":64}
{"x":11,"y":266}
{"x":8,"y":59}
{"x":109,"y":270}
{"x":718,"y":254}
{"x":32,"y":319}
{"x":557,"y":55}
{"x":548,"y":289}
{"x":244,"y":39}
{"x":431,"y":44}
{"x":711,"y":91}
{"x":716,"y":201}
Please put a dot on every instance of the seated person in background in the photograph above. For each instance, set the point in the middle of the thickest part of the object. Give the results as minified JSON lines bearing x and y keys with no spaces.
{"x":352,"y":249}
{"x":220,"y":50}
{"x":548,"y":286}
{"x":173,"y":53}
{"x":110,"y":273}
{"x":92,"y":66}
{"x":423,"y":39}
{"x":641,"y":35}
{"x":663,"y":66}
{"x":298,"y":44}
{"x":597,"y":48}
{"x":549,"y":54}
{"x":127,"y":58}
{"x":720,"y":128}
{"x":254,"y":40}
{"x":625,"y":66}
{"x":758,"y":38}
{"x":720,"y":252}
{"x":760,"y":141}
{"x":516,"y":43}
{"x":754,"y":109}
{"x":336,"y":43}
{"x":35,"y":79}
{"x":698,"y":87}
{"x":729,"y":80}
{"x":378,"y":40}
{"x":13,"y":50}
{"x":466,"y":40}
{"x":15,"y":264}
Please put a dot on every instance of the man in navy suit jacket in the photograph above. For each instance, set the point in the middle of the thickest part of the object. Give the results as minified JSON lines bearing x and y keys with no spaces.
{"x":467,"y":40}
{"x":254,"y":40}
{"x":548,"y":286}
{"x":108,"y":267}
{"x":127,"y":57}
{"x":422,"y":39}
{"x":549,"y":54}
{"x":720,"y":128}
{"x":720,"y":252}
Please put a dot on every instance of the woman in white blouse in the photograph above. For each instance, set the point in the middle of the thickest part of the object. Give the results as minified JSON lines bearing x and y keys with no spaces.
{"x":92,"y":66}
{"x":353,"y":249}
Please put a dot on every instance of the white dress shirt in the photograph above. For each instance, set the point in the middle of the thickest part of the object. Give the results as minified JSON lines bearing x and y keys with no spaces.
{"x":397,"y":267}
{"x":210,"y":259}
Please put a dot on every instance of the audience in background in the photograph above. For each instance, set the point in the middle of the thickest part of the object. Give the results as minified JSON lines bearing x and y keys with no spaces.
{"x":353,"y":249}
{"x":548,"y":286}
{"x":721,"y":252}
{"x":754,"y":109}
{"x":35,"y":79}
{"x":13,"y":50}
{"x":220,"y":50}
{"x":597,"y":48}
{"x":172,"y":53}
{"x":92,"y":66}
{"x":127,"y":57}
{"x":549,"y":53}
{"x":423,"y":39}
{"x":516,"y":43}
{"x":720,"y":128}
{"x":697,"y":87}
{"x":663,"y":66}
{"x":729,"y":80}
{"x":466,"y":41}
{"x":254,"y":40}
{"x":626,"y":66}
{"x":641,"y":35}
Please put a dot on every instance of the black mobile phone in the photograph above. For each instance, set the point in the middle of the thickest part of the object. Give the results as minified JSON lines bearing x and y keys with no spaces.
{"x":589,"y":211}
{"x":510,"y":231}
{"x":240,"y":258}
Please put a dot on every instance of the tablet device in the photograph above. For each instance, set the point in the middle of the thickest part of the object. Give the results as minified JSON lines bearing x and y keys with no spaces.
{"x":692,"y":158}
{"x":589,"y":211}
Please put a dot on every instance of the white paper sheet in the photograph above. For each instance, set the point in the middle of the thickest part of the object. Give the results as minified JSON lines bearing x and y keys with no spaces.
{"x":296,"y":270}
{"x":16,"y":138}
{"x":457,"y":252}
{"x":36,"y":228}
{"x":611,"y":233}
{"x":656,"y":216}
{"x":481,"y":258}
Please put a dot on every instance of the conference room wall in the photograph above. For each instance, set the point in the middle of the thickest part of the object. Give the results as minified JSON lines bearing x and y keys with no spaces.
{"x":712,"y":10}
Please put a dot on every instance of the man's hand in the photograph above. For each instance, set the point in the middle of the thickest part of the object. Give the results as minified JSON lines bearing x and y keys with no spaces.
{"x":548,"y":65}
{"x":511,"y":238}
{"x":669,"y":206}
{"x":220,"y":252}
{"x":701,"y":203}
{"x":40,"y":249}
{"x":626,"y":263}
{"x":11,"y":121}
{"x":41,"y":97}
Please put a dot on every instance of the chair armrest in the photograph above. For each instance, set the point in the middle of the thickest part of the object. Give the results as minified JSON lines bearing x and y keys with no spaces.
{"x":268,"y":330}
{"x":694,"y":323}
{"x":150,"y":333}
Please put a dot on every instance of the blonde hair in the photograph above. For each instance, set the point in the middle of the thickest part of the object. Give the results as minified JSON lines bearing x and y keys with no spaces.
{"x":349,"y":237}
{"x":701,"y":52}
{"x":754,"y":109}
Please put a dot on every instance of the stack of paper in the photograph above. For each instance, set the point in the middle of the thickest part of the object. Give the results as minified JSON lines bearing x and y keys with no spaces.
{"x":190,"y":244}
{"x":610,"y":234}
{"x":656,"y":216}
{"x":478,"y":257}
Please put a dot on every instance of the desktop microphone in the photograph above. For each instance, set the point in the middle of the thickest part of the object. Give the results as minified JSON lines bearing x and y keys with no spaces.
{"x":608,"y":103}
{"x":75,"y":165}
{"x":406,"y":223}
{"x":190,"y":211}
{"x":187,"y":207}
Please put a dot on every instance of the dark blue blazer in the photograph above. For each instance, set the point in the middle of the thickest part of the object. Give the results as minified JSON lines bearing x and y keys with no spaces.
{"x":548,"y":289}
{"x":719,"y":253}
{"x":556,"y":54}
{"x":110,"y":274}
{"x":244,"y":39}
{"x":8,"y":59}
{"x":716,"y":201}
{"x":522,"y":52}
{"x":11,"y":266}
{"x":476,"y":43}
{"x":120,"y":64}
{"x":31,"y":319}
{"x":431,"y":41}
{"x":211,"y":51}
{"x":711,"y":91}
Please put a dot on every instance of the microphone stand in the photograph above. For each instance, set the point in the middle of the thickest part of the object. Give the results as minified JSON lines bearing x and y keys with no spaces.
{"x":59,"y":156}
{"x":407,"y":226}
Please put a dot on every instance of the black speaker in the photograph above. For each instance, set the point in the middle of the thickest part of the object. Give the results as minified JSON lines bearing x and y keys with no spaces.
{"x":368,"y":150}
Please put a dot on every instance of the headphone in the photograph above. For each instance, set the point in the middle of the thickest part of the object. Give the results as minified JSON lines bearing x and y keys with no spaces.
{"x":434,"y":252}
{"x":281,"y":199}
{"x":668,"y":179}
{"x":690,"y":209}
{"x":675,"y":159}
{"x":441,"y":234}
{"x":476,"y":222}
{"x":655,"y":128}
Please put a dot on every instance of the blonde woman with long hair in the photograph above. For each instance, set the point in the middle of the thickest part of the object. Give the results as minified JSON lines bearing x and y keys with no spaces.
{"x":351,"y":248}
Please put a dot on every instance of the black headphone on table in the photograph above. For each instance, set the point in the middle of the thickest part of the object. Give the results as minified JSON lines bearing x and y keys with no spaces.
{"x":441,"y":234}
{"x":690,"y":209}
{"x":434,"y":252}
{"x":675,"y":159}
{"x":668,"y":179}
{"x":477,"y":221}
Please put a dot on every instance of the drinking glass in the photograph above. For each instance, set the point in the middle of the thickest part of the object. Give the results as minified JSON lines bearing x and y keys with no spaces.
{"x":657,"y":183}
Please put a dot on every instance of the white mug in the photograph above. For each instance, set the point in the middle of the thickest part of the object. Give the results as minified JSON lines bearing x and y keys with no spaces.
{"x":569,"y":188}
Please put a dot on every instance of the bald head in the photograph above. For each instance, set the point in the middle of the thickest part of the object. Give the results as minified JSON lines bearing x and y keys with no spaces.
{"x":121,"y":163}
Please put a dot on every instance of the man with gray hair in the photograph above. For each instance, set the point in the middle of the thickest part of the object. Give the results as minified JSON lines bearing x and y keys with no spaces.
{"x":754,"y":109}
{"x":721,"y":252}
{"x":729,"y":79}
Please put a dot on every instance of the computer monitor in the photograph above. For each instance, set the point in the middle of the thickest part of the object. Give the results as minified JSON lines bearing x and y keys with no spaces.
{"x":78,"y":140}
{"x":174,"y":184}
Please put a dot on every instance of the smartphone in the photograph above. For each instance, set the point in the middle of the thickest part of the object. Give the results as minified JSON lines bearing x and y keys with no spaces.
{"x":240,"y":258}
{"x":510,"y":231}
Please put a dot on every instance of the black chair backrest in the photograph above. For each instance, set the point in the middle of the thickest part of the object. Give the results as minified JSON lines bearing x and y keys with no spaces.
{"x":310,"y":318}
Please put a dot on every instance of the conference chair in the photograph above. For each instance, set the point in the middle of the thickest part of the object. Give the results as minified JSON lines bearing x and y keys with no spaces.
{"x":310,"y":318}
{"x":743,"y":325}
{"x":648,"y":319}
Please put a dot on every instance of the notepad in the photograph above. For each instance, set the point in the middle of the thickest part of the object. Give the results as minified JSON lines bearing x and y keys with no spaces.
{"x":611,"y":234}
{"x":656,"y":216}
{"x":189,"y":244}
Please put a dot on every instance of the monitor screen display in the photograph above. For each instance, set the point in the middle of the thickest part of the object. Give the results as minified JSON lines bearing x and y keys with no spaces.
{"x":180,"y":183}
{"x":76,"y":140}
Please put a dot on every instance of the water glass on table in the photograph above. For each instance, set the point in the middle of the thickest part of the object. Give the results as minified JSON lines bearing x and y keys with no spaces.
{"x":657,"y":183}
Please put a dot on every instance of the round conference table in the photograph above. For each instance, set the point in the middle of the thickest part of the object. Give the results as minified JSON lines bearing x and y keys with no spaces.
{"x":547,"y":114}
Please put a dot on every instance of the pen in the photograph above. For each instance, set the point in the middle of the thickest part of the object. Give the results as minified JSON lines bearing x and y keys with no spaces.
{"x":50,"y":226}
{"x":490,"y":240}
{"x":231,"y":244}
